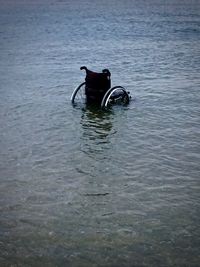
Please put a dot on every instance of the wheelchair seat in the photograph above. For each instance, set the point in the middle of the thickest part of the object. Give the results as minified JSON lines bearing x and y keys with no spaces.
{"x":97,"y":90}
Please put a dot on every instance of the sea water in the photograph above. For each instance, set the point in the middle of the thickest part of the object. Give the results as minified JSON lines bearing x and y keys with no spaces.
{"x":80,"y":186}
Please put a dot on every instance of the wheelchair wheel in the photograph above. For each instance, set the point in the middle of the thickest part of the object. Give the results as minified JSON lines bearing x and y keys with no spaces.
{"x":115,"y":95}
{"x":78,"y":96}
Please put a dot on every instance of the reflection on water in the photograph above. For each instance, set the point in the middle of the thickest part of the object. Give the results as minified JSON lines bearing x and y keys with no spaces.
{"x":96,"y":135}
{"x":97,"y":128}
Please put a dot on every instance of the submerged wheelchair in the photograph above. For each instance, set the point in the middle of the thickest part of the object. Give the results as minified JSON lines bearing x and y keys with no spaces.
{"x":97,"y":90}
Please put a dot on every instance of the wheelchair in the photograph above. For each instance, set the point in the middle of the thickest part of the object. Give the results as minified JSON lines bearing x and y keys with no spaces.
{"x":97,"y":90}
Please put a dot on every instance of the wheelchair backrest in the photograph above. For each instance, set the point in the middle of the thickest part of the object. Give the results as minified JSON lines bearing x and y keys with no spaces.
{"x":98,"y":81}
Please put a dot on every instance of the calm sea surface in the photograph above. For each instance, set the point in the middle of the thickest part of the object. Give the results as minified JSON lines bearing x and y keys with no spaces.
{"x":82,"y":187}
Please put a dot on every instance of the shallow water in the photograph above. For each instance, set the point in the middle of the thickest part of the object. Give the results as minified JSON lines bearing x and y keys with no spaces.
{"x":86,"y":187}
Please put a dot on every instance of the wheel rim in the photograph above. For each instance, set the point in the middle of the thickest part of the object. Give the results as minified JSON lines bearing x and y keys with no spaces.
{"x":115,"y":95}
{"x":78,"y":96}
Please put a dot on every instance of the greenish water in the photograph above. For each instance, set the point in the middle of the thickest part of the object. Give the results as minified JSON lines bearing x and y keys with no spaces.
{"x":85,"y":187}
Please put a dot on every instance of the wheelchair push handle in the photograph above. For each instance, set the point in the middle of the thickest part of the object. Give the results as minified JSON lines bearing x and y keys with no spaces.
{"x":84,"y":68}
{"x":107,"y":72}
